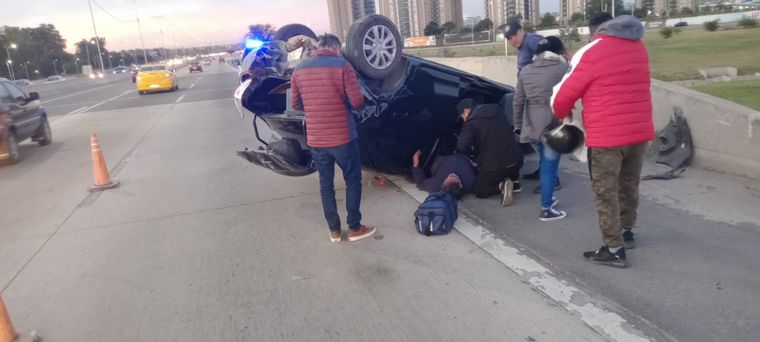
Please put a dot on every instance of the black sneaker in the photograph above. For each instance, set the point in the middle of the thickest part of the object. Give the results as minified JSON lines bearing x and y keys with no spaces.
{"x":551,"y":214}
{"x":536,"y":175}
{"x":602,"y":256}
{"x":557,"y":186}
{"x":628,"y":241}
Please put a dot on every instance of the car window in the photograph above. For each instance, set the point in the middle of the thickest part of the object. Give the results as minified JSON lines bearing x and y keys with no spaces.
{"x":153,"y":68}
{"x":5,"y":96}
{"x":14,"y":91}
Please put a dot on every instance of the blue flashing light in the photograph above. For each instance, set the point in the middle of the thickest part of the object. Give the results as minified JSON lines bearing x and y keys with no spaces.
{"x":253,"y":44}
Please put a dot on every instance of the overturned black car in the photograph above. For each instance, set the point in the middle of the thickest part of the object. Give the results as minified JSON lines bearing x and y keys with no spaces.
{"x":410,"y":102}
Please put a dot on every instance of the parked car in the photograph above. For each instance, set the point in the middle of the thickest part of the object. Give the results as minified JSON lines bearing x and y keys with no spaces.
{"x":196,"y":66}
{"x":410,"y":102}
{"x":21,"y":117}
{"x":54,"y":79}
{"x":155,"y":78}
{"x":681,"y":24}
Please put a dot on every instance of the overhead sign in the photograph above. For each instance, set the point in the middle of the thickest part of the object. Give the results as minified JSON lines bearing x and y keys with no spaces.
{"x":467,"y":38}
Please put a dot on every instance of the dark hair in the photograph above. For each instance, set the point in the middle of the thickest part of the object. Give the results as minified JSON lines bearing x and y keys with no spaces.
{"x":598,"y":19}
{"x":550,"y":43}
{"x":329,"y":41}
{"x":452,"y":188}
{"x":467,"y":103}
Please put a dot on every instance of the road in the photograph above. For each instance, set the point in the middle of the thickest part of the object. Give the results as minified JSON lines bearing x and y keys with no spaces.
{"x":198,"y":245}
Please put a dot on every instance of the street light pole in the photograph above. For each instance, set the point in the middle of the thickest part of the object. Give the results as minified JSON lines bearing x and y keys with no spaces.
{"x":9,"y":63}
{"x":26,"y":70}
{"x":55,"y":69}
{"x":97,"y":40}
{"x":139,"y":29}
{"x":89,"y":59}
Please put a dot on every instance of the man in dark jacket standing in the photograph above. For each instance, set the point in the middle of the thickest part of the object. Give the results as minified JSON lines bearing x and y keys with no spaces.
{"x":324,"y":86}
{"x":498,"y":158}
{"x":611,"y":75}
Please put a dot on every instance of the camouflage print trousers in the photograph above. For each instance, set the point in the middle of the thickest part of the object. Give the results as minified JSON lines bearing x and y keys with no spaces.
{"x":615,"y":174}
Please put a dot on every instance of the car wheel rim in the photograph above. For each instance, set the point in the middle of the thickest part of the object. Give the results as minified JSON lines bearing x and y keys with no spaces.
{"x":379,"y":46}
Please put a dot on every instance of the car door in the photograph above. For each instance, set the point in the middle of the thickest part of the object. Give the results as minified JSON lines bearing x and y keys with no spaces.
{"x":23,"y":112}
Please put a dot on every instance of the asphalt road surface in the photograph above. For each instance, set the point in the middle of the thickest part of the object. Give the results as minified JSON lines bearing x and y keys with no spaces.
{"x":198,"y":245}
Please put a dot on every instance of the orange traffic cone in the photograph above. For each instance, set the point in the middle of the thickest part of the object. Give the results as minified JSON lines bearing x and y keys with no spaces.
{"x":7,"y":332}
{"x":100,"y":171}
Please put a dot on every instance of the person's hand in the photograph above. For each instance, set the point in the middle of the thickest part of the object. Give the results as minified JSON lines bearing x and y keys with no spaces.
{"x":465,"y":115}
{"x":416,"y":158}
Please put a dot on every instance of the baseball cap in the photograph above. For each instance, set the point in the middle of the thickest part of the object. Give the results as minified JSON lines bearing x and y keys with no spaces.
{"x":511,"y":29}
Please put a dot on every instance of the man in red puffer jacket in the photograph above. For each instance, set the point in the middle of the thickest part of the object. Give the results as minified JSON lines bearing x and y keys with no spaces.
{"x":324,"y":86}
{"x":611,"y":76}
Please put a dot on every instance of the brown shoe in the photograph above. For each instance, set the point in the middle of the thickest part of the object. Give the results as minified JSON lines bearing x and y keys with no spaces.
{"x":335,"y":236}
{"x":363,"y":233}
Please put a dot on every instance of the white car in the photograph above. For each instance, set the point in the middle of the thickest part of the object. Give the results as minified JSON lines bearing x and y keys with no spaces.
{"x":54,"y":79}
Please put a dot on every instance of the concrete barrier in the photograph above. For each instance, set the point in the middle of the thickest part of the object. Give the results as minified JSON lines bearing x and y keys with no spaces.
{"x":720,"y":72}
{"x":726,"y":135}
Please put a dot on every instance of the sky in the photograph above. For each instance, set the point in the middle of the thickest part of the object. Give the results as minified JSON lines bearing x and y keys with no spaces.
{"x":184,"y":22}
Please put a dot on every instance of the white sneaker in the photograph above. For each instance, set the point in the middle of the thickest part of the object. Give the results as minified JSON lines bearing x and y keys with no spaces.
{"x":506,"y":192}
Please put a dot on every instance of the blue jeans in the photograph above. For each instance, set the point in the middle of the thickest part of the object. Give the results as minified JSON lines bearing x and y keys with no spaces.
{"x":549,"y":168}
{"x":347,"y":157}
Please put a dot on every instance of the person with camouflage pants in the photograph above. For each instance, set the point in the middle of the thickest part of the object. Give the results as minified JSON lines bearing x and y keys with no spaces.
{"x":611,"y":75}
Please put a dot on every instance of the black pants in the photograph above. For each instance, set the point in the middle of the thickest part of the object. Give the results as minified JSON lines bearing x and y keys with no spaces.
{"x":487,"y":182}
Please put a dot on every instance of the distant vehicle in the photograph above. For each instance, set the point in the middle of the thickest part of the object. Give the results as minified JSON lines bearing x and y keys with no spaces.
{"x":195,"y":66}
{"x":21,"y":117}
{"x":97,"y":75}
{"x":120,"y":70}
{"x":206,"y":62}
{"x":134,"y":72}
{"x":21,"y":82}
{"x":681,"y":24}
{"x":54,"y":79}
{"x":155,"y":78}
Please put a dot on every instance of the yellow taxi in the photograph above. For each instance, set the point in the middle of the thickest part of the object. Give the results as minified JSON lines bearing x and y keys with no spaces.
{"x":155,"y":78}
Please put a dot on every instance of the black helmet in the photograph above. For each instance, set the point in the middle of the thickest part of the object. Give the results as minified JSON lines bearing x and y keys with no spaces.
{"x":563,"y":138}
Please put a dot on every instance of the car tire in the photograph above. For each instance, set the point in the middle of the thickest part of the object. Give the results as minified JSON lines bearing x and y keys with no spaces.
{"x":289,"y":31}
{"x":45,"y":135}
{"x":11,"y":145}
{"x":140,"y":92}
{"x":384,"y":40}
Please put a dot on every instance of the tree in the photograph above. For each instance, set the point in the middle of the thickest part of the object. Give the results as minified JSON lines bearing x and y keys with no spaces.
{"x":667,"y":32}
{"x":640,"y":13}
{"x":262,"y":32}
{"x":578,"y":19}
{"x":547,"y":21}
{"x":711,"y":26}
{"x":484,"y":25}
{"x":36,"y":49}
{"x":432,"y":29}
{"x":465,"y":30}
{"x":596,"y":6}
{"x":449,"y":27}
{"x":84,"y":45}
{"x":687,"y":11}
{"x":748,"y":22}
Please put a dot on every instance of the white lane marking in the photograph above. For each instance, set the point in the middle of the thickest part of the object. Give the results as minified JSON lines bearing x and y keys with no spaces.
{"x":104,"y":102}
{"x":75,"y":94}
{"x":180,"y":98}
{"x":191,"y":86}
{"x":543,"y":280}
{"x":75,"y":111}
{"x":194,"y":83}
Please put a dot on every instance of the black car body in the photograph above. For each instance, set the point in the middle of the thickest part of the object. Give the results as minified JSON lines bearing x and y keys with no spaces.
{"x":410,"y":105}
{"x":21,"y":117}
{"x":196,"y":66}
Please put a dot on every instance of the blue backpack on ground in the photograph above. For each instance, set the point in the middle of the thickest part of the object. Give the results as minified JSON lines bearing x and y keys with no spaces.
{"x":437,"y":214}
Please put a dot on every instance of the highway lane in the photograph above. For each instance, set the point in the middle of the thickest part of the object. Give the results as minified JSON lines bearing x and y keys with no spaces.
{"x":198,"y":245}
